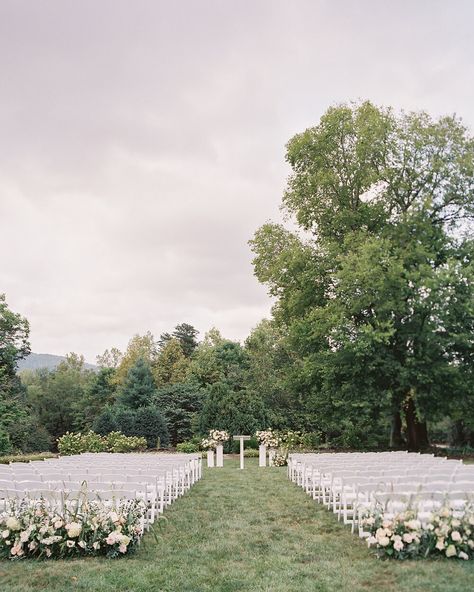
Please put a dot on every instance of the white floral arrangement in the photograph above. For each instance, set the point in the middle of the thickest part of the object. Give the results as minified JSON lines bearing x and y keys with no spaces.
{"x":280,"y":459}
{"x":208,"y":444}
{"x":268,"y":438}
{"x":30,"y":528}
{"x":219,"y":436}
{"x":447,"y":532}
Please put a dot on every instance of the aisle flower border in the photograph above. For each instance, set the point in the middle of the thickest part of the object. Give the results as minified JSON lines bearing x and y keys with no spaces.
{"x":446,"y":532}
{"x":34,"y":529}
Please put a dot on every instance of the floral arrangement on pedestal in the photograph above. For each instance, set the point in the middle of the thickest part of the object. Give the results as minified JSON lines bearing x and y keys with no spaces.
{"x":30,"y":528}
{"x":268,"y":438}
{"x":446,"y":532}
{"x":214,"y":438}
{"x":219,"y":436}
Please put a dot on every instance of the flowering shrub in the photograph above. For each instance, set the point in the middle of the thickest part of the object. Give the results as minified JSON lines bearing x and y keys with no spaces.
{"x":268,"y":438}
{"x":447,"y":532}
{"x":71,"y":443}
{"x":30,"y":528}
{"x":117,"y":442}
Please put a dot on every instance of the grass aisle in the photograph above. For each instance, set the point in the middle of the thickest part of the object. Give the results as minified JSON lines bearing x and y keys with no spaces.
{"x":249,"y":531}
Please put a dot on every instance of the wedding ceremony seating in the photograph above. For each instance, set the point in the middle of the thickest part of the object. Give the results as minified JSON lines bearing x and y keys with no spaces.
{"x":350,"y":484}
{"x":157,"y":479}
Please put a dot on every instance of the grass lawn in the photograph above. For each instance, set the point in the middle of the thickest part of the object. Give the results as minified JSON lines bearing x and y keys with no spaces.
{"x":249,"y":531}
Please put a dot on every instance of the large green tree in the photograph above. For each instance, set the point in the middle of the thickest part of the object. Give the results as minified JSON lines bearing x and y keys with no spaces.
{"x":376,"y":286}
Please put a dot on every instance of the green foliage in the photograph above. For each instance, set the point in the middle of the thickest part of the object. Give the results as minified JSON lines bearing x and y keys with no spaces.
{"x":180,"y":405}
{"x":125,"y":420}
{"x":376,"y":301}
{"x":26,"y":458}
{"x":105,"y":422}
{"x":151,"y":425}
{"x":237,"y":411}
{"x":5,"y":445}
{"x":187,"y":447}
{"x":139,"y":386}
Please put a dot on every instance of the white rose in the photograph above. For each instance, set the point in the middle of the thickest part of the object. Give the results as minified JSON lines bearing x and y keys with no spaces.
{"x":73,"y":529}
{"x":398,"y":545}
{"x":5,"y":534}
{"x":470,"y":544}
{"x":463,"y":555}
{"x":12,"y":523}
{"x":58,"y":524}
{"x":456,"y":536}
{"x":451,"y":551}
{"x":455,"y":523}
{"x":384,"y":541}
{"x":407,"y":537}
{"x":440,"y":544}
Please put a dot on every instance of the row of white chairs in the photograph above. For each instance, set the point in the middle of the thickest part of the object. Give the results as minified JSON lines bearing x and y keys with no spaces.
{"x":351,"y":483}
{"x":156,"y":479}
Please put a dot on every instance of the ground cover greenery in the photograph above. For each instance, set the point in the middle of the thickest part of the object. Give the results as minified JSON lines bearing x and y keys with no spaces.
{"x":249,"y":531}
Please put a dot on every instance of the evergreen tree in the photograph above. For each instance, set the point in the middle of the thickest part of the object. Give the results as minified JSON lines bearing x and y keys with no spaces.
{"x":105,"y":422}
{"x":151,"y":424}
{"x":139,"y":386}
{"x":180,"y":405}
{"x":186,"y":335}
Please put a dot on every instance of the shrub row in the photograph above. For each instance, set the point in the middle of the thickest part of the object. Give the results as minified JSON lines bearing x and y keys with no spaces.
{"x":71,"y":443}
{"x":5,"y":460}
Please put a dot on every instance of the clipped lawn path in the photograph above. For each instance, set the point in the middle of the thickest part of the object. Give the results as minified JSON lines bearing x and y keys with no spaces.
{"x":249,"y":531}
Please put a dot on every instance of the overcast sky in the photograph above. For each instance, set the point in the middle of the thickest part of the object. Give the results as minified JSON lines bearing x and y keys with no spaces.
{"x":142,"y":143}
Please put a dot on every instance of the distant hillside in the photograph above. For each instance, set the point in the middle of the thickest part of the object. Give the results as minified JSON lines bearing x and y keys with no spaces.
{"x":49,"y":361}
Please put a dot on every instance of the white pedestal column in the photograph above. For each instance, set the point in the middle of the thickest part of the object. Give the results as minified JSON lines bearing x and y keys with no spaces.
{"x":262,"y":455}
{"x":210,"y":458}
{"x":219,"y":455}
{"x":271,"y":456}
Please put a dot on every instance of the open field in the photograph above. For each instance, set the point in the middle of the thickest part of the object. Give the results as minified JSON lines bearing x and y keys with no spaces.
{"x":249,"y":531}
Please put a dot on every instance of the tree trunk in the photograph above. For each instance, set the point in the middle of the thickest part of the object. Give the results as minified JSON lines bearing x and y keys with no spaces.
{"x":417,"y":431}
{"x":396,"y":439}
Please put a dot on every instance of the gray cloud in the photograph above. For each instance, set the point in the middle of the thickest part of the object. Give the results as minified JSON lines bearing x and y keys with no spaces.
{"x":142,"y":143}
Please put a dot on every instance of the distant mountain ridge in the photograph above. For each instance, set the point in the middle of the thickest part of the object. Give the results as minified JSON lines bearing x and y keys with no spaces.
{"x":49,"y":361}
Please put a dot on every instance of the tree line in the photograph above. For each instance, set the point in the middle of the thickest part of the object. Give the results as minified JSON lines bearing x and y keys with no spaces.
{"x":371,"y":340}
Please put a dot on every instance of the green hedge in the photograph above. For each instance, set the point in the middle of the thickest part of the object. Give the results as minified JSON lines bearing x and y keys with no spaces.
{"x":5,"y":460}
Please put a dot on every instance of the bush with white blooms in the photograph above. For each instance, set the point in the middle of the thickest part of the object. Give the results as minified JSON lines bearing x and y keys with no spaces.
{"x":219,"y":436}
{"x":446,"y":532}
{"x":31,"y":528}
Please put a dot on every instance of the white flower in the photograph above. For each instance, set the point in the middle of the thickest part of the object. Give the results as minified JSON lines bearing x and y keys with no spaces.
{"x":70,"y":543}
{"x":58,"y":524}
{"x":384,"y":541}
{"x":12,"y":523}
{"x":82,"y":544}
{"x":413,"y":524}
{"x":370,"y":521}
{"x":407,"y":537}
{"x":451,"y":551}
{"x":96,"y":545}
{"x":114,"y":516}
{"x":32,"y":546}
{"x":73,"y":529}
{"x":398,"y":545}
{"x":463,"y":555}
{"x":48,"y":552}
{"x":470,"y":544}
{"x":440,"y":544}
{"x":123,"y":548}
{"x":5,"y":534}
{"x":456,"y":536}
{"x":112,"y":538}
{"x":455,"y":523}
